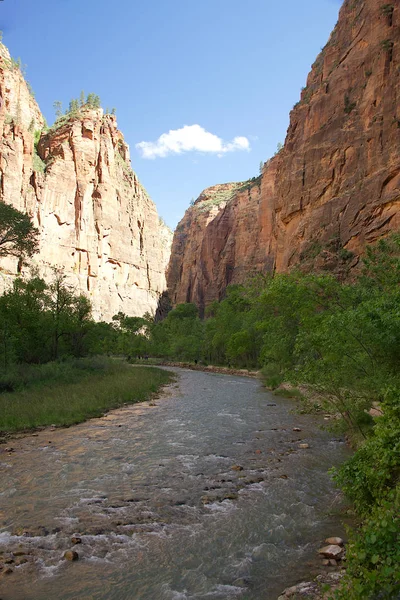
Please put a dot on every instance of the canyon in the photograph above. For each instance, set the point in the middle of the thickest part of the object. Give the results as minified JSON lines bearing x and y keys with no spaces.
{"x":96,"y":222}
{"x":330,"y":191}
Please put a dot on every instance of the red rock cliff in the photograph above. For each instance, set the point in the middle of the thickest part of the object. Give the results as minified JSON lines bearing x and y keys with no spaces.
{"x":333,"y":188}
{"x":96,"y":221}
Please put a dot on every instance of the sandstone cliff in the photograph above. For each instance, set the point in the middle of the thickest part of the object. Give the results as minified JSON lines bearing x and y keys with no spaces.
{"x":333,"y":188}
{"x":96,"y":221}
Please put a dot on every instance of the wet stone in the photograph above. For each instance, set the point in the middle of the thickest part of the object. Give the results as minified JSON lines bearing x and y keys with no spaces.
{"x":71,"y":555}
{"x":76,"y":540}
{"x":331,"y":551}
{"x":337,"y":541}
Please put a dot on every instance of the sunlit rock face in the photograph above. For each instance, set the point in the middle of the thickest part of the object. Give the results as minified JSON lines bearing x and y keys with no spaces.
{"x":331,"y":190}
{"x":96,"y":221}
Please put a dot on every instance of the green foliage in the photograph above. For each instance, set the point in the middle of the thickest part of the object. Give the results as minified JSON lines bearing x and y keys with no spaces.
{"x":57,"y":105}
{"x":38,"y":164}
{"x":18,"y":237}
{"x":74,"y":106}
{"x":387,"y":9}
{"x":375,"y":468}
{"x":387,"y":45}
{"x":345,"y":255}
{"x":41,"y":322}
{"x":373,"y":554}
{"x":341,"y":341}
{"x":93,"y":101}
{"x":30,"y":89}
{"x":349,"y":106}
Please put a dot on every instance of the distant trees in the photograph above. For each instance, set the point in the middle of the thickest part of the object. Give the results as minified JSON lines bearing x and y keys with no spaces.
{"x":41,"y":322}
{"x":90,"y":101}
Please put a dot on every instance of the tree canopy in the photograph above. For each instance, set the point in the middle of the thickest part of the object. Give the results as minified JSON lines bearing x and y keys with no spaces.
{"x":18,"y":236}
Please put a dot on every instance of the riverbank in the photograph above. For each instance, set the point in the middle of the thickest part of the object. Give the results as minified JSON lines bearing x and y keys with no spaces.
{"x":64,"y":394}
{"x":203,"y":368}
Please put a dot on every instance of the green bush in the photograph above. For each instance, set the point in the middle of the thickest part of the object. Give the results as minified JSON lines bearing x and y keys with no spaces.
{"x":374,"y":470}
{"x":373,"y":555}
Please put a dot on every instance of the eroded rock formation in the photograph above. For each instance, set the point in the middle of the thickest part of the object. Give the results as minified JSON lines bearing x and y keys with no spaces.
{"x":332,"y":189}
{"x":96,"y":221}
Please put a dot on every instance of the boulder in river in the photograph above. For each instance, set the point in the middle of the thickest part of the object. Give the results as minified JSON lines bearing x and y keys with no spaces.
{"x":76,"y":540}
{"x":237,"y":468}
{"x":331,"y":551}
{"x":304,"y":446}
{"x":336,"y":541}
{"x":71,"y":555}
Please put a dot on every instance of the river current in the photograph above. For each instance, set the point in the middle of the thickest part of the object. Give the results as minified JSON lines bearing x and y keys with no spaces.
{"x":204,"y":495}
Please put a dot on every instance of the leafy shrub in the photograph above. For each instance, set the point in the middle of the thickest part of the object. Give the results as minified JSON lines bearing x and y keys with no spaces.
{"x":373,"y":555}
{"x":375,"y":468}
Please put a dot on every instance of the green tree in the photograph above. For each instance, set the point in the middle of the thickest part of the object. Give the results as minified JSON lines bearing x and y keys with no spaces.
{"x":18,"y":236}
{"x":73,"y":106}
{"x":57,"y":105}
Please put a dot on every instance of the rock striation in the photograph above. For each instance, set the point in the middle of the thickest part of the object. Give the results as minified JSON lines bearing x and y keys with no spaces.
{"x":331,"y":190}
{"x":97,"y":224}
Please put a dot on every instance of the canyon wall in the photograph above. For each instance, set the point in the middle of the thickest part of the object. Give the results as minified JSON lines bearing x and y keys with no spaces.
{"x":96,"y":222}
{"x":332,"y":189}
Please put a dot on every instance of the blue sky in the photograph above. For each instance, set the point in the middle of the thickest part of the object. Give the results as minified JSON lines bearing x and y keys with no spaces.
{"x":232,"y":68}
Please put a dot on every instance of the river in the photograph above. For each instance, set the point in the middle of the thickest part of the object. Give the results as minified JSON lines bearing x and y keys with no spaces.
{"x":161,"y":513}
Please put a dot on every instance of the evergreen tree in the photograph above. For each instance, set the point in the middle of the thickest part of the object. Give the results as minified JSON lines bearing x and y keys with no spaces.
{"x":57,"y":105}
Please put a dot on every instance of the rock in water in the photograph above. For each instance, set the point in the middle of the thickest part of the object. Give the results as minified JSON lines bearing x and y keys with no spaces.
{"x":76,"y":540}
{"x":71,"y":555}
{"x":336,"y":541}
{"x":331,"y":551}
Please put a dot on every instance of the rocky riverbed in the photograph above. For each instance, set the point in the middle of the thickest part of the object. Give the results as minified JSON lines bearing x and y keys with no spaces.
{"x":217,"y":490}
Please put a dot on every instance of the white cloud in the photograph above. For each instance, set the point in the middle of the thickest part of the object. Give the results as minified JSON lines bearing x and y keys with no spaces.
{"x":190,"y":138}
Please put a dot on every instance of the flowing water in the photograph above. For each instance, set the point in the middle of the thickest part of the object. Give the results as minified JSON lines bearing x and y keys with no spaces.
{"x":161,"y":512}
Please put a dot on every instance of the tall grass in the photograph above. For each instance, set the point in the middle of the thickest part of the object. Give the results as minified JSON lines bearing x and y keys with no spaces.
{"x":68,"y":393}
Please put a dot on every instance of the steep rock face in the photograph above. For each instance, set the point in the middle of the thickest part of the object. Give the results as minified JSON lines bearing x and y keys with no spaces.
{"x":333,"y":188}
{"x":96,"y":221}
{"x":221,"y":240}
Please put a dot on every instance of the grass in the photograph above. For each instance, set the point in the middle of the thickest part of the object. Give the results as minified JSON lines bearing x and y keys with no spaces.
{"x":289,"y":393}
{"x":67,"y":393}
